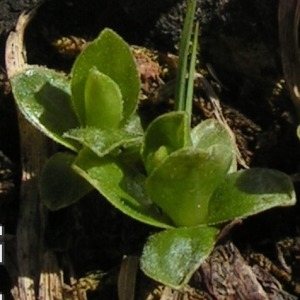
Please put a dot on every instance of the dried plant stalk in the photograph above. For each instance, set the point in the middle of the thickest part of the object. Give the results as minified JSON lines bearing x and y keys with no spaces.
{"x":127,"y":278}
{"x":39,"y":276}
{"x":288,"y":22}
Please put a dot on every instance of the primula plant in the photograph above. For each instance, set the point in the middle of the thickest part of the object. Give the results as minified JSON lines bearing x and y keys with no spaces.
{"x":182,"y":180}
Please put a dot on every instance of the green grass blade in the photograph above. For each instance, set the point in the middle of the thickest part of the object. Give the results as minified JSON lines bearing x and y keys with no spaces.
{"x":192,"y":68}
{"x":184,"y":46}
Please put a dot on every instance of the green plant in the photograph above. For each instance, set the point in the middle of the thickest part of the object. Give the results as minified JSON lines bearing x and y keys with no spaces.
{"x":96,"y":107}
{"x":170,"y":176}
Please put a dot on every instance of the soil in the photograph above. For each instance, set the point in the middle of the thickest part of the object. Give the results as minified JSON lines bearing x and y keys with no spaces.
{"x":239,"y":53}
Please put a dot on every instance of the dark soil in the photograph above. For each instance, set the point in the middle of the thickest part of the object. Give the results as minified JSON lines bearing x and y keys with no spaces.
{"x":239,"y":40}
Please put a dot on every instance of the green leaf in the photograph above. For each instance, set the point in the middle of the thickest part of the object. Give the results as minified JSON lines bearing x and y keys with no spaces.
{"x":43,"y":97}
{"x":103,"y":101}
{"x":248,"y":192}
{"x":102,"y":142}
{"x":210,"y":132}
{"x":183,"y":184}
{"x":172,"y":256}
{"x":122,"y":185}
{"x":59,"y":185}
{"x":112,"y":56}
{"x":166,"y":134}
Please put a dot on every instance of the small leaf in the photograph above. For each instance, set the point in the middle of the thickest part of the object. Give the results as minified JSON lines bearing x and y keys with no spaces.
{"x":102,"y":142}
{"x":183,"y":184}
{"x":248,"y":192}
{"x":103,"y":101}
{"x":210,"y":132}
{"x":43,"y":97}
{"x":166,"y":134}
{"x":59,"y":185}
{"x":172,"y":256}
{"x":112,"y":56}
{"x":122,"y":185}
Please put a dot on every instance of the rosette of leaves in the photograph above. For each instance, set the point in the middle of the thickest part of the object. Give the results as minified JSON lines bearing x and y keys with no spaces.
{"x":94,"y":108}
{"x":182,"y":180}
{"x":192,"y":177}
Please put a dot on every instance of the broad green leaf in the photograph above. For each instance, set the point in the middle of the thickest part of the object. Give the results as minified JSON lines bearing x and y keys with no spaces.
{"x":210,"y":132}
{"x":183,"y":184}
{"x":102,"y":142}
{"x":112,"y":56}
{"x":43,"y":97}
{"x":248,"y":192}
{"x":103,"y":101}
{"x":120,"y":184}
{"x":59,"y":185}
{"x":166,"y":134}
{"x":172,"y":256}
